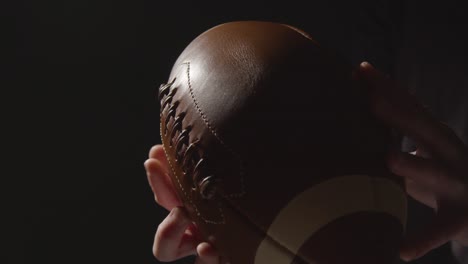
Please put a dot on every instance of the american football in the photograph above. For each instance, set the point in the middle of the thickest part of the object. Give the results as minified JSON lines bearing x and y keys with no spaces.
{"x":274,"y":151}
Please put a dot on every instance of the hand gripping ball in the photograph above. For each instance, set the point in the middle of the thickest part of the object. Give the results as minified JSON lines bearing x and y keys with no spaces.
{"x":274,"y":151}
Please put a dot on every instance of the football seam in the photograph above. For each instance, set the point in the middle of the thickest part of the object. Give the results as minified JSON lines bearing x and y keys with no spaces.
{"x":213,"y":131}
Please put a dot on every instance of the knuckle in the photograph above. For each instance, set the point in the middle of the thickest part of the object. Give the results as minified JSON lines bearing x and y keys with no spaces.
{"x":179,"y":216}
{"x":160,"y":253}
{"x":157,"y":253}
{"x":164,"y":231}
{"x":161,"y":256}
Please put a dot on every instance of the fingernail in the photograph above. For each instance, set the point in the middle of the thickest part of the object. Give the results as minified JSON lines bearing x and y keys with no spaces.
{"x":366,"y":64}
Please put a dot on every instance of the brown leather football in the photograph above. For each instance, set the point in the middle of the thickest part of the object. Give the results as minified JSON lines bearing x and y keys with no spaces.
{"x":274,"y":151}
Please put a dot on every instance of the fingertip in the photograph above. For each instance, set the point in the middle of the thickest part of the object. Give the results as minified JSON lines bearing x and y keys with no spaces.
{"x":366,"y":65}
{"x":367,"y":68}
{"x":406,"y":254}
{"x":410,"y":251}
{"x":406,"y":258}
{"x":375,"y":80}
{"x":151,"y":165}
{"x":156,"y":151}
{"x":161,"y":184}
{"x":206,"y":251}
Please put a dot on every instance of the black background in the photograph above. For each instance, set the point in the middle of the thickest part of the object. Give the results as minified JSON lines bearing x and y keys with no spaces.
{"x":81,"y":115}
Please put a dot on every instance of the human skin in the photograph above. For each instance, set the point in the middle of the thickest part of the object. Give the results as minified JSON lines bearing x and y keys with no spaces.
{"x":176,"y":236}
{"x":436,"y":174}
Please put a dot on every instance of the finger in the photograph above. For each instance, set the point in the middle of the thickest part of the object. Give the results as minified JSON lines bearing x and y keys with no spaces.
{"x":420,"y":194}
{"x":161,"y":167}
{"x":193,"y":230}
{"x":207,"y":254}
{"x":190,"y":240}
{"x":187,"y":246}
{"x":424,"y":153}
{"x":401,"y":110}
{"x":164,"y":192}
{"x":157,"y":152}
{"x":171,"y":242}
{"x":425,"y":172}
{"x":439,"y":232}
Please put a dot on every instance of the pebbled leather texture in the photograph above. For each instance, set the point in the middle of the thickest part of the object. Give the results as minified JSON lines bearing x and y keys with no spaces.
{"x":253,"y":114}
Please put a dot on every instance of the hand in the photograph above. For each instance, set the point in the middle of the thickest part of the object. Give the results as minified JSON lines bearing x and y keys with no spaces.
{"x":176,"y":237}
{"x":436,"y":174}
